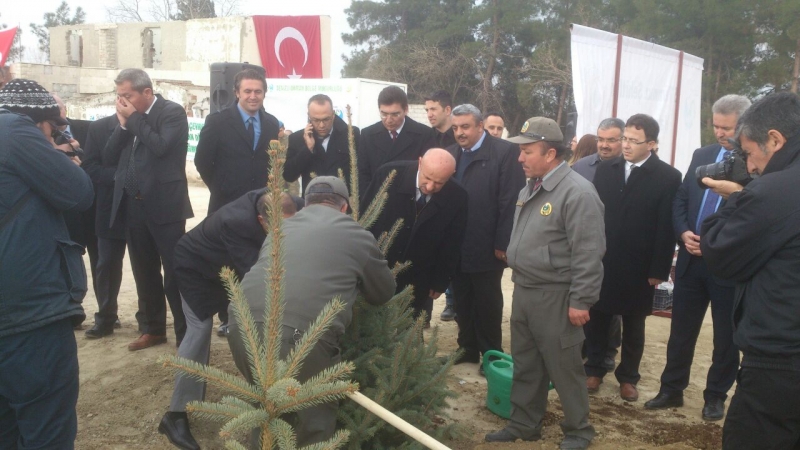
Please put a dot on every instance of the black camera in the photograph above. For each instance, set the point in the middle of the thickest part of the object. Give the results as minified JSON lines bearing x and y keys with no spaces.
{"x":62,"y":137}
{"x":733,"y":167}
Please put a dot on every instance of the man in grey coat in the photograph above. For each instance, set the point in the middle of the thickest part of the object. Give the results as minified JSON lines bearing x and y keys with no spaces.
{"x":330,"y":255}
{"x":556,"y":251}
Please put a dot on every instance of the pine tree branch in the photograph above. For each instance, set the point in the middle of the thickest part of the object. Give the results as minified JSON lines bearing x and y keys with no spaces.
{"x":234,"y":445}
{"x":375,"y":207}
{"x":351,"y":144}
{"x":338,"y":439}
{"x":244,"y":423}
{"x":309,"y":396}
{"x":284,"y":434}
{"x":212,"y":375}
{"x":253,"y":347}
{"x":310,"y":338}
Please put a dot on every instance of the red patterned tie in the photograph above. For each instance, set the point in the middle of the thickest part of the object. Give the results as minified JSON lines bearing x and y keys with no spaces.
{"x":394,"y":135}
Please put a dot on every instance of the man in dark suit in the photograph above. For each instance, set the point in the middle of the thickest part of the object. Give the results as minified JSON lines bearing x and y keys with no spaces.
{"x":232,"y":237}
{"x":110,"y":240}
{"x":434,"y":213}
{"x":322,"y":148}
{"x":438,"y":107}
{"x":487,"y":168}
{"x":396,"y":137}
{"x":637,"y":190}
{"x":231,"y":152}
{"x":151,"y":197}
{"x":695,"y":287}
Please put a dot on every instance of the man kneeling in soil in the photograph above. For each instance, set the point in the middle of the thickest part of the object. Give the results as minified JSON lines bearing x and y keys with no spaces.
{"x":330,"y":255}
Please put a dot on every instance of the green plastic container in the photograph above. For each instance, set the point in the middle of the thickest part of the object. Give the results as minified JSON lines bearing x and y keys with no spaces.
{"x":499,"y":375}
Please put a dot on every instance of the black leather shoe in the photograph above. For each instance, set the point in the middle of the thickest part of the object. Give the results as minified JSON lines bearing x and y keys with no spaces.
{"x":468,"y":356}
{"x":505,"y":435}
{"x":175,"y":426}
{"x":665,"y":400}
{"x":714,"y":409}
{"x":97,"y":332}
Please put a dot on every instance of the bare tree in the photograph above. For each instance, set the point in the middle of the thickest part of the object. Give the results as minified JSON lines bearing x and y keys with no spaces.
{"x":125,"y":11}
{"x":228,"y":8}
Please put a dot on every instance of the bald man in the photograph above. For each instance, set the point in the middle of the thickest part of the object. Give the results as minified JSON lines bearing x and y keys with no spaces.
{"x":433,"y":207}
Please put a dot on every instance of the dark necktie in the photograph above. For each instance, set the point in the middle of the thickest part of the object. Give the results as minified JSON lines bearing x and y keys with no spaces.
{"x":536,"y":185}
{"x":131,"y":180}
{"x":251,"y":131}
{"x":421,"y":201}
{"x":394,"y":136}
{"x":710,"y":205}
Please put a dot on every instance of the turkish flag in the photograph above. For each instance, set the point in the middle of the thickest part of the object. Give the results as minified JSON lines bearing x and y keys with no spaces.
{"x":6,"y":40}
{"x":290,"y":46}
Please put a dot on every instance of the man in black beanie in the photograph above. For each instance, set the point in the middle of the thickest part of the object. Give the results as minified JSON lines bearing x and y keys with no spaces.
{"x":42,"y":280}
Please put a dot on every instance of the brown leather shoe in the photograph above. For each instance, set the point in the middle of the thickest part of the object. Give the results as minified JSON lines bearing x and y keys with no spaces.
{"x":628,"y":392}
{"x":593,"y":384}
{"x":145,"y":341}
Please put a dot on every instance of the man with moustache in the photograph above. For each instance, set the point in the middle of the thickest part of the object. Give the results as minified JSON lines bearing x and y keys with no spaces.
{"x":494,"y":124}
{"x":396,"y":137}
{"x":487,"y":168}
{"x":231,"y":152}
{"x":434,"y":213}
{"x":322,"y":148}
{"x":438,"y":107}
{"x":695,"y":287}
{"x":151,"y":197}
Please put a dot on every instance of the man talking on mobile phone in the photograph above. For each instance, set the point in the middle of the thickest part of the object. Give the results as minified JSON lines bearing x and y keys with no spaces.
{"x":322,"y":147}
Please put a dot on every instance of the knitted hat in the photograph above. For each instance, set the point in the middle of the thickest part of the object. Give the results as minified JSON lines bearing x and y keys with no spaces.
{"x":29,"y":98}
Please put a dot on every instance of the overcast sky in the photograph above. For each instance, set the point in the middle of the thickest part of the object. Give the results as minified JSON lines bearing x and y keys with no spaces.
{"x":25,"y":12}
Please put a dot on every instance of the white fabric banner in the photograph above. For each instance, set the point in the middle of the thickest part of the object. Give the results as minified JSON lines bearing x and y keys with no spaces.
{"x":647,"y":84}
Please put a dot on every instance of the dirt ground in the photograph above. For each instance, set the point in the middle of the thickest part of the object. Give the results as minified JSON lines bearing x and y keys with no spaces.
{"x":123,"y":395}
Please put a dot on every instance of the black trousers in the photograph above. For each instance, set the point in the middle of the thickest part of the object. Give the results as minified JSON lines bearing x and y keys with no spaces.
{"x":693,"y":292}
{"x":479,"y":309}
{"x":764,"y":413}
{"x":632,"y":346}
{"x":152,"y":246}
{"x":107,"y":280}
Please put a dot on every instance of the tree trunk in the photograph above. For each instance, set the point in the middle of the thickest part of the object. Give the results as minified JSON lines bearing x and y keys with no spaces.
{"x":796,"y":71}
{"x":487,"y":78}
{"x":561,"y":101}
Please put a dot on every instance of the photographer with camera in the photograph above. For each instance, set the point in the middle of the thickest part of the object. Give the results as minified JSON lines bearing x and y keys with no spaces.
{"x":695,"y":287}
{"x":43,"y":280}
{"x":754,"y":240}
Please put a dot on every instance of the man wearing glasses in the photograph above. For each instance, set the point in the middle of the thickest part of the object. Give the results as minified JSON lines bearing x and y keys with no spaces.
{"x":395,"y":138}
{"x":322,"y":147}
{"x":609,"y":145}
{"x":637,"y":190}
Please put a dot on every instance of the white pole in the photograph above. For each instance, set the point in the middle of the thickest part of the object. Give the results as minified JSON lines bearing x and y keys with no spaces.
{"x":397,"y":422}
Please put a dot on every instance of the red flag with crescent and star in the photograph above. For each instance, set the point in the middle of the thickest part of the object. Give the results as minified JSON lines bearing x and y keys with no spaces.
{"x":290,"y":46}
{"x":6,"y":40}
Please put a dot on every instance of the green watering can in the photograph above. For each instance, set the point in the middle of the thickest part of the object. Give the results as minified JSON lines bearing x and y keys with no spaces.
{"x":499,"y":370}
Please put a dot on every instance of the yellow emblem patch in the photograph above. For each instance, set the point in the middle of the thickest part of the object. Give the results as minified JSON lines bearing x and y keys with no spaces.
{"x":547,"y":208}
{"x":524,"y":127}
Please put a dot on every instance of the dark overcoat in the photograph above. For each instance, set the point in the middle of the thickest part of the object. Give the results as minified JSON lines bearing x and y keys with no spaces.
{"x":225,"y":157}
{"x":101,"y":169}
{"x":322,"y":162}
{"x":640,"y":241}
{"x":430,"y":240}
{"x":376,"y":148}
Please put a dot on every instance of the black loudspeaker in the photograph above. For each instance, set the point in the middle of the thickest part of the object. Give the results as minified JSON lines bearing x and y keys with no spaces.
{"x":223,"y":92}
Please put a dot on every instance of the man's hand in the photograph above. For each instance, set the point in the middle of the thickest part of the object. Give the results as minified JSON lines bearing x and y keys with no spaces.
{"x":654,"y":281}
{"x":66,"y":148}
{"x":433,"y":294}
{"x":722,"y":187}
{"x":578,"y":317}
{"x":501,"y":255}
{"x":692,"y":243}
{"x":308,"y":136}
{"x":124,"y":111}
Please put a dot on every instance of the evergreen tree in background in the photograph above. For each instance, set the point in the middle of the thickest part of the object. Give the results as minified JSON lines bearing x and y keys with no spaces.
{"x":60,"y":17}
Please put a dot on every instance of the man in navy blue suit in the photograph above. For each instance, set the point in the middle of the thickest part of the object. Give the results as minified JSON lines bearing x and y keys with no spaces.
{"x":695,"y":287}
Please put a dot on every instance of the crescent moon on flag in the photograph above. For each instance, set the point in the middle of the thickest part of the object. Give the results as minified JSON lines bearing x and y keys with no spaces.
{"x":290,"y":33}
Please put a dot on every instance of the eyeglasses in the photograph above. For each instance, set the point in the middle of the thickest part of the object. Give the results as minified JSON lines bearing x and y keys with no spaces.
{"x":607,"y":141}
{"x":393,"y":115}
{"x":631,"y":141}
{"x":320,"y":121}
